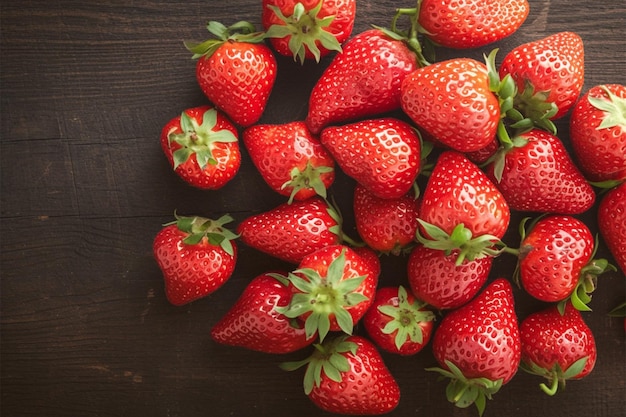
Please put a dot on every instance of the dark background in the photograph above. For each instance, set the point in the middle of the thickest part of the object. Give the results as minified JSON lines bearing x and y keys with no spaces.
{"x":86,"y":87}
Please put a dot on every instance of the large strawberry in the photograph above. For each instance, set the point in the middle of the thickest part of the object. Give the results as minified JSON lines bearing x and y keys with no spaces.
{"x":347,"y":375}
{"x":308,"y":29}
{"x":362,"y":81}
{"x":612,"y":223}
{"x":383,"y":155}
{"x":253,"y":322}
{"x":202,"y":147}
{"x":236,"y":71}
{"x":478,"y":346}
{"x":333,"y":288}
{"x":196,"y":255}
{"x":290,"y":159}
{"x":557,"y":346}
{"x":597,"y":131}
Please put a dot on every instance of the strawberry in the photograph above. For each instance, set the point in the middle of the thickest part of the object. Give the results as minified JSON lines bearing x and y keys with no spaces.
{"x":333,"y":288}
{"x":347,"y":375}
{"x":478,"y":346}
{"x":291,"y":161}
{"x":537,"y":174}
{"x":472,"y":23}
{"x":597,"y":131}
{"x":196,"y":255}
{"x":451,"y":100}
{"x":386,"y":225}
{"x":291,"y":231}
{"x":612,"y":223}
{"x":383,"y":155}
{"x":397,"y":322}
{"x":253,"y":323}
{"x":308,"y":29}
{"x":369,"y":257}
{"x":236,"y":71}
{"x":362,"y":81}
{"x":557,"y":346}
{"x":202,"y":147}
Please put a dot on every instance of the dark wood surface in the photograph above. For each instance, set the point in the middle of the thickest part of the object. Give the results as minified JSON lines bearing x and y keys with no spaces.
{"x":86,"y":330}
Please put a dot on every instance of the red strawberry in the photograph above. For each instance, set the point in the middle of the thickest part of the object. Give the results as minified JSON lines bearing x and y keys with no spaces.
{"x":196,"y":255}
{"x":202,"y":146}
{"x":369,"y":258}
{"x":471,"y":23}
{"x":397,"y":322}
{"x":362,"y":81}
{"x":451,"y":101}
{"x":253,"y":323}
{"x":236,"y":71}
{"x":385,"y":225}
{"x":307,"y":29}
{"x":291,"y":161}
{"x":383,"y":154}
{"x":478,"y":346}
{"x":537,"y":174}
{"x":549,"y":72}
{"x":347,"y":375}
{"x":598,"y":132}
{"x":612,"y":223}
{"x":333,"y":288}
{"x":292,"y":231}
{"x":557,"y":346}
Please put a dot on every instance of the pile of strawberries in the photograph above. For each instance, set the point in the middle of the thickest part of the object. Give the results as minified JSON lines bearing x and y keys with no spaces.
{"x":481,"y":137}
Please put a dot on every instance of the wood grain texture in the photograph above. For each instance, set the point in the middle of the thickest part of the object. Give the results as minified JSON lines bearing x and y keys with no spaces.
{"x":85,"y":328}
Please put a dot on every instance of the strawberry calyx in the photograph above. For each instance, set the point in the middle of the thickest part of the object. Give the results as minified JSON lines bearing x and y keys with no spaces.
{"x":308,"y":178}
{"x":238,"y":32}
{"x":556,"y":376}
{"x":406,"y":319}
{"x":201,"y":228}
{"x":305,"y":29}
{"x":614,"y":109}
{"x":198,"y":139}
{"x":463,"y":391}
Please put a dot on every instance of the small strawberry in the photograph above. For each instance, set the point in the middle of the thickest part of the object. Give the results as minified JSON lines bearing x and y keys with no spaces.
{"x":612,"y":223}
{"x":253,"y":323}
{"x":478,"y":346}
{"x":347,"y":375}
{"x":308,"y":29}
{"x":196,"y":255}
{"x":202,"y":147}
{"x":598,"y":132}
{"x":236,"y":71}
{"x":291,"y":161}
{"x":383,"y":155}
{"x":397,"y":322}
{"x":292,"y":231}
{"x":557,"y":346}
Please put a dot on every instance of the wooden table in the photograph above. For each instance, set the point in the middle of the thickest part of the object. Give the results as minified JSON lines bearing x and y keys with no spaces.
{"x":86,"y":329}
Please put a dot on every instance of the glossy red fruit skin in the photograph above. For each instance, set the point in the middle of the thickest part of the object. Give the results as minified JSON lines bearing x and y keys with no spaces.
{"x":612,"y":223}
{"x":364,"y":80}
{"x":482,"y":22}
{"x":370,"y":258}
{"x":600,"y":153}
{"x":253,"y":323}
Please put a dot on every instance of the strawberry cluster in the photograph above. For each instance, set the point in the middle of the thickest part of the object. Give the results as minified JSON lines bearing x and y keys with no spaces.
{"x":441,"y":152}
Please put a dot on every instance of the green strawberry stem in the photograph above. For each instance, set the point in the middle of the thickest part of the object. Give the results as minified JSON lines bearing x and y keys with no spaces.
{"x":613,"y":106}
{"x":556,"y":376}
{"x":199,"y":228}
{"x":309,"y":177}
{"x":406,"y":319}
{"x":238,"y":32}
{"x":335,"y":213}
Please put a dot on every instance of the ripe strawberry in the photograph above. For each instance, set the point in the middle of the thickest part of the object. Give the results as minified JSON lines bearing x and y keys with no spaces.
{"x":291,"y":161}
{"x":292,"y":231}
{"x":557,"y":346}
{"x":472,"y":23}
{"x":196,"y":255}
{"x":478,"y":346}
{"x":236,"y":71}
{"x":612,"y":223}
{"x":598,"y":132}
{"x":386,"y":225}
{"x":333,"y":288}
{"x":397,"y":322}
{"x":383,"y":155}
{"x":308,"y":29}
{"x":347,"y":375}
{"x":549,"y":72}
{"x":364,"y":80}
{"x":537,"y":174}
{"x":202,"y":147}
{"x":369,"y":258}
{"x":253,"y":323}
{"x":451,"y":100}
